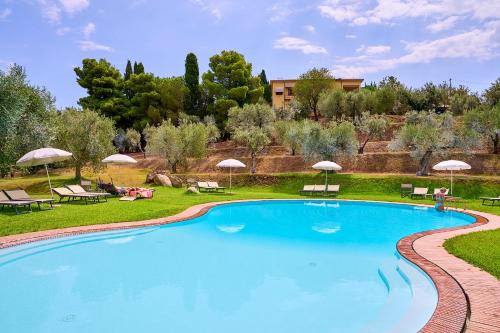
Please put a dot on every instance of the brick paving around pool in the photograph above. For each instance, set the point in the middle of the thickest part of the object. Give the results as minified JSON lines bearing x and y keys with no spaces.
{"x":468,"y":298}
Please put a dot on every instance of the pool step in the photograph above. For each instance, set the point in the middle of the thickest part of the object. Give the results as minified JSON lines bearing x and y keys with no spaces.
{"x":398,"y":291}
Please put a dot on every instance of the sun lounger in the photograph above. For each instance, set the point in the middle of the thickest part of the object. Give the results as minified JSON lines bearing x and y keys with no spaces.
{"x":214,"y":186}
{"x":320,"y":189}
{"x":5,"y":201}
{"x":419,"y":192}
{"x":203,"y":186}
{"x":333,"y":189}
{"x":406,"y":190}
{"x":64,"y":192}
{"x":77,"y":189}
{"x":22,"y":195}
{"x":490,"y":199}
{"x":308,"y":189}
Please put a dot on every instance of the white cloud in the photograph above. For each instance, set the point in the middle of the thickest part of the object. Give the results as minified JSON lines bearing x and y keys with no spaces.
{"x":350,"y":36}
{"x":63,"y":31}
{"x":480,"y":44}
{"x":4,"y":13}
{"x":74,"y":6}
{"x":214,"y":7}
{"x":357,"y":12}
{"x":88,"y":30}
{"x":373,"y":50}
{"x":310,"y":28}
{"x":50,"y":10}
{"x":298,"y":44}
{"x":88,"y":45}
{"x":443,"y":24}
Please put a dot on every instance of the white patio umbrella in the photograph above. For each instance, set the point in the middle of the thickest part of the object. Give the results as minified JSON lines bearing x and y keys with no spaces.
{"x":230,"y":163}
{"x":119,"y":159}
{"x":44,"y":156}
{"x":451,"y":165}
{"x":327,"y":166}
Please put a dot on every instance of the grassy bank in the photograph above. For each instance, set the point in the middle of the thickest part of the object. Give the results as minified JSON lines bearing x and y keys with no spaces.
{"x":482,"y":249}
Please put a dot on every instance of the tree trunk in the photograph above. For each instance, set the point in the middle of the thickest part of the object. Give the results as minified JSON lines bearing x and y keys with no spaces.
{"x":361,"y":148}
{"x":174,"y":167}
{"x":496,"y":143}
{"x":424,"y":164}
{"x":78,"y":171}
{"x":254,"y":163}
{"x":315,"y":111}
{"x":293,"y":152}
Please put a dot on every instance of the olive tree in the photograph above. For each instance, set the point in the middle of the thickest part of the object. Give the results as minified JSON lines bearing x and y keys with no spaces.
{"x":310,"y":86}
{"x":251,"y":127}
{"x":291,"y":133}
{"x":330,"y":142}
{"x":371,"y":127}
{"x":133,"y":139}
{"x":177,"y":143}
{"x":87,"y":135}
{"x":485,"y":122}
{"x":425,"y":134}
{"x":332,"y":104}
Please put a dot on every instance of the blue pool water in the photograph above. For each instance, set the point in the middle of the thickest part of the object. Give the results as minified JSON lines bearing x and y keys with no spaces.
{"x":272,"y":266}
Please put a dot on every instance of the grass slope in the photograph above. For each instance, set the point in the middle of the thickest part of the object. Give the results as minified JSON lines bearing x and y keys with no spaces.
{"x":481,"y":249}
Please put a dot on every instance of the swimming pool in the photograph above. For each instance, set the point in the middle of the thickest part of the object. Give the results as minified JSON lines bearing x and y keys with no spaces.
{"x":268,"y":266}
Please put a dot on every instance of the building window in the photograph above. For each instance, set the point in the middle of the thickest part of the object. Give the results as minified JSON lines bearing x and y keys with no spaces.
{"x":289,"y":91}
{"x":278,"y":91}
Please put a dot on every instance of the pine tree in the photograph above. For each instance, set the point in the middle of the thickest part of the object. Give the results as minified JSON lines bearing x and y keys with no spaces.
{"x":192,"y":77}
{"x":266,"y":85}
{"x":128,"y":71}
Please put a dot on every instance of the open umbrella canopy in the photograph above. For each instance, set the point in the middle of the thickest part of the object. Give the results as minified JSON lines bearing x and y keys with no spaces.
{"x":327,"y":165}
{"x":230,"y":163}
{"x":119,"y":159}
{"x":43,"y":156}
{"x":451,"y":165}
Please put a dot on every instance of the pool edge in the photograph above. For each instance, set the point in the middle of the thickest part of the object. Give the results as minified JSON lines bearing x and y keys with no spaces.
{"x":453,"y":309}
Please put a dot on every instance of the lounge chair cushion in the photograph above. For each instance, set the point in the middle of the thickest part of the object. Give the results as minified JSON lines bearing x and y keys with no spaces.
{"x":308,"y":188}
{"x":420,"y":191}
{"x":333,"y":188}
{"x":213,"y":185}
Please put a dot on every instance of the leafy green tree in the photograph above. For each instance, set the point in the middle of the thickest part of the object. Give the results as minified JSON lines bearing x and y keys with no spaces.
{"x":310,"y":85}
{"x":145,"y":103}
{"x":291,"y":133}
{"x":385,"y":100}
{"x":268,"y":96}
{"x":332,"y":104}
{"x":26,"y":117}
{"x":251,"y":127}
{"x":229,"y":82}
{"x":138,"y":68}
{"x":213,"y":133}
{"x":354,"y":104}
{"x":424,"y":135}
{"x":128,"y":71}
{"x":133,"y":139}
{"x":86,"y":134}
{"x":103,"y":83}
{"x":328,"y":143}
{"x":492,"y":94}
{"x":192,"y":79}
{"x":371,"y":127}
{"x":485,"y":122}
{"x":173,"y":94}
{"x":177,"y":144}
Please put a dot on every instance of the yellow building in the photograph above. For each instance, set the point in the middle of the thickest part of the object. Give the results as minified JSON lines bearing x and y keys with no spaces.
{"x":282,"y":90}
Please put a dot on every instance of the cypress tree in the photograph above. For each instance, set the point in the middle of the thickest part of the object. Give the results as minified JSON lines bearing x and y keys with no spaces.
{"x":139,"y":69}
{"x":136,"y":71}
{"x":192,"y":77}
{"x":266,"y":85}
{"x":128,"y":70}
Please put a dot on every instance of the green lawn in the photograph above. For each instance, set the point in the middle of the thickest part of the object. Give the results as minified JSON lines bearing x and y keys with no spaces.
{"x":169,"y":201}
{"x":482,"y":249}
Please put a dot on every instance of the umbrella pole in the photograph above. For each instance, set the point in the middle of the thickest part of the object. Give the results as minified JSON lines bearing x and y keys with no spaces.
{"x":326,"y":179}
{"x":451,"y":188}
{"x":50,"y":185}
{"x":230,"y":181}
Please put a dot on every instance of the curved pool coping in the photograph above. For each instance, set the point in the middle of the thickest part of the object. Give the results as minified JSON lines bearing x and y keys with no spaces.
{"x":453,"y":309}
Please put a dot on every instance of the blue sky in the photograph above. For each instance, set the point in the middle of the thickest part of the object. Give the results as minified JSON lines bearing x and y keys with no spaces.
{"x":417,"y":41}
